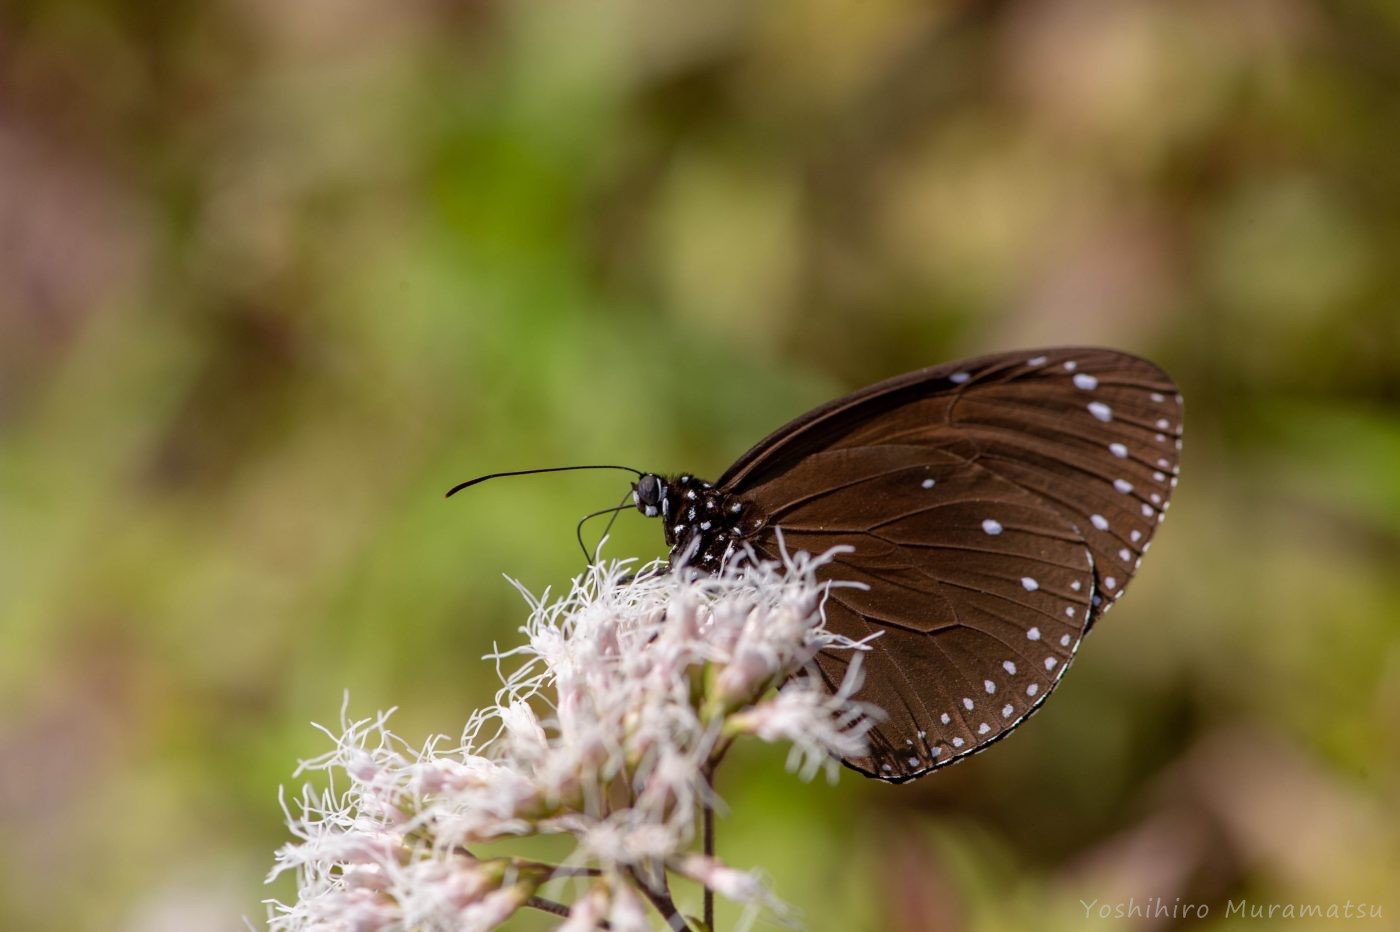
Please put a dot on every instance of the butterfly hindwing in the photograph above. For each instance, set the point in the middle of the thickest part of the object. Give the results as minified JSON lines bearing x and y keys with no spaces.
{"x":976,"y":591}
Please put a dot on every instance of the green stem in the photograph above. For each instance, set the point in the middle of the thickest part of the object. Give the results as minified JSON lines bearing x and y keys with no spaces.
{"x":708,"y":830}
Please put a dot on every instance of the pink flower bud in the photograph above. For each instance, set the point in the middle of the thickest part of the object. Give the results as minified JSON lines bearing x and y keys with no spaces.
{"x":744,"y":678}
{"x":588,"y":911}
{"x":628,"y":913}
{"x":728,"y":882}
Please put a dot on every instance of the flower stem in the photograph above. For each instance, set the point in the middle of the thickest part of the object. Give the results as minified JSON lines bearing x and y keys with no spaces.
{"x":708,"y":819}
{"x":661,"y":899}
{"x":549,"y":906}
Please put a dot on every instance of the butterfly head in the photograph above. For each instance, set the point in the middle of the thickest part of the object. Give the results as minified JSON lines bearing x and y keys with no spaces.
{"x":649,"y":494}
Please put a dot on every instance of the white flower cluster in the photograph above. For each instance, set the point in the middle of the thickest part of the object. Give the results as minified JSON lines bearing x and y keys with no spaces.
{"x":627,"y":695}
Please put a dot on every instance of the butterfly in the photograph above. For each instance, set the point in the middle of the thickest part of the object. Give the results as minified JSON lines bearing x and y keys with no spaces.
{"x":995,"y":509}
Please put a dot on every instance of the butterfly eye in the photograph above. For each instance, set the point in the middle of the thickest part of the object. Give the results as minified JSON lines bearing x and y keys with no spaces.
{"x":648,"y":494}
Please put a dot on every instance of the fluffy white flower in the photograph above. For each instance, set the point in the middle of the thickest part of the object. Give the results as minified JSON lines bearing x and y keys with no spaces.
{"x":624,"y":696}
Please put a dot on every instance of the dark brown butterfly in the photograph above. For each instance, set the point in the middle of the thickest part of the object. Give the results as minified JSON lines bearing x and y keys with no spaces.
{"x":995,"y":508}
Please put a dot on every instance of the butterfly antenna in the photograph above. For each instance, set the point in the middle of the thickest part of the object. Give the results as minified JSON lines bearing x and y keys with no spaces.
{"x":622,"y":506}
{"x":625,"y":504}
{"x":530,"y":472}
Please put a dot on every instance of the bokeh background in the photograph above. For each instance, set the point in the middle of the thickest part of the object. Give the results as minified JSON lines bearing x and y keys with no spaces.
{"x":273,"y":275}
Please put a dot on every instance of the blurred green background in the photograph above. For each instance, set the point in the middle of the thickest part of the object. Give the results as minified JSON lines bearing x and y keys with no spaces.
{"x":273,"y":275}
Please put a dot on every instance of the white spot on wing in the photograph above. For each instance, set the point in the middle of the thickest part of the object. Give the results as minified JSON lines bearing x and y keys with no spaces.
{"x":1101,"y":411}
{"x":1009,"y":667}
{"x":1007,"y":711}
{"x":1123,"y":485}
{"x":1118,"y":450}
{"x":1029,"y":584}
{"x":1036,"y":361}
{"x":927,"y":483}
{"x":1085,"y":381}
{"x":957,"y":378}
{"x":991,"y":526}
{"x":1032,"y":689}
{"x":967,"y":704}
{"x":989,"y":686}
{"x":1033,"y":634}
{"x":983,"y":728}
{"x":1099,"y":521}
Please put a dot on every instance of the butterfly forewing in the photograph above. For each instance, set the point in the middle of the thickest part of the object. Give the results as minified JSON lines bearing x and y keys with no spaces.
{"x":1094,"y":433}
{"x":994,"y":508}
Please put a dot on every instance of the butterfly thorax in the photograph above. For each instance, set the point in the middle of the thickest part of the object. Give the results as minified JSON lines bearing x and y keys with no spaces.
{"x":703,"y":524}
